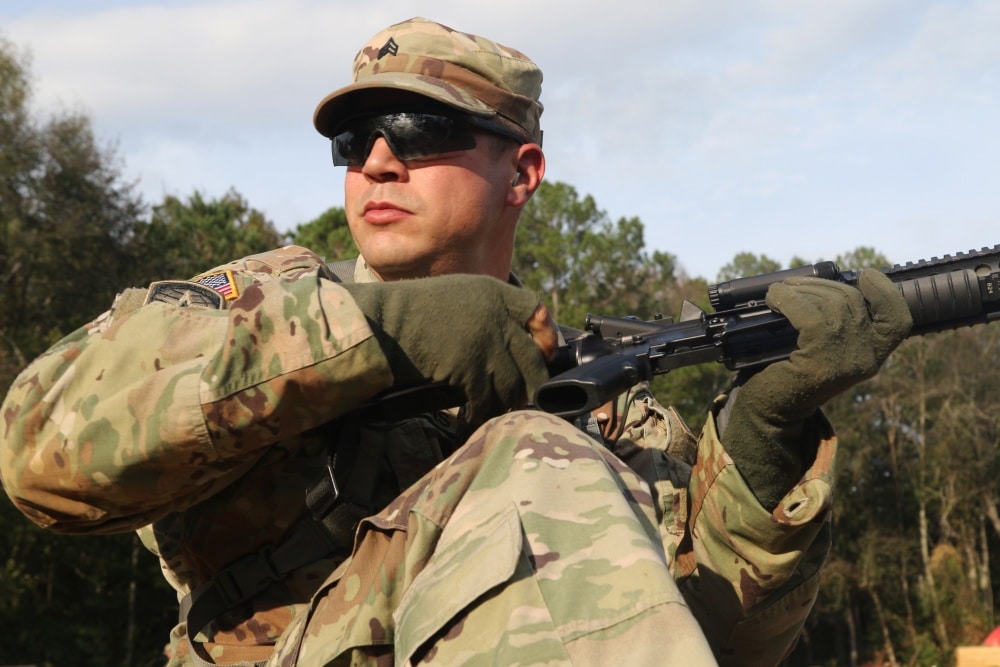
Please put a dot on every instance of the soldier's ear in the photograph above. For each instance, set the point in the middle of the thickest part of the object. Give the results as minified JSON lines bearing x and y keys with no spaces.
{"x":530,"y":169}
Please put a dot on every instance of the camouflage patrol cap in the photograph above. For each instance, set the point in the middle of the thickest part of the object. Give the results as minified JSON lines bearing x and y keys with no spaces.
{"x":421,"y":57}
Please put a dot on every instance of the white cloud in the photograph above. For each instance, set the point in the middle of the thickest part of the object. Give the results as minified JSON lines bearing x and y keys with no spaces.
{"x":770,"y":126}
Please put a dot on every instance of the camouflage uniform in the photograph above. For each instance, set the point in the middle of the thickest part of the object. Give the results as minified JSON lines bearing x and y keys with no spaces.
{"x":531,"y":542}
{"x":203,"y":414}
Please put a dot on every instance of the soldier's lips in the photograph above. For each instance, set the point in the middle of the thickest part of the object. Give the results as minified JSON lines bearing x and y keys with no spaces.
{"x":384,"y":214}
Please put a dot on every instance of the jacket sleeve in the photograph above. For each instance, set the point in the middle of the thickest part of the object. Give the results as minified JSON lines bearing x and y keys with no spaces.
{"x":755,"y":573}
{"x":750,"y":576}
{"x":155,"y":406}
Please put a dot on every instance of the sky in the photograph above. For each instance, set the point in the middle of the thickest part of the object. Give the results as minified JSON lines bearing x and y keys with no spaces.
{"x":784,"y":128}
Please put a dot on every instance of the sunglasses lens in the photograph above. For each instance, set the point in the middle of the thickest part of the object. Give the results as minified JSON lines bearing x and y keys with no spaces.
{"x":349,"y":148}
{"x":410,"y":136}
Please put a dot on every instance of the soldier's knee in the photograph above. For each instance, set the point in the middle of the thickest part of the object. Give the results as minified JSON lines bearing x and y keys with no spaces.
{"x":530,"y":434}
{"x":538,"y":444}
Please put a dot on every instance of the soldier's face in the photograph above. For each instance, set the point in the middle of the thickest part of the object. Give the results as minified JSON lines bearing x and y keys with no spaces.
{"x":448,"y":213}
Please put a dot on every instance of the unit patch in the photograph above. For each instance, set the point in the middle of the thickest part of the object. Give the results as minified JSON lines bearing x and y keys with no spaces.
{"x":185,"y":293}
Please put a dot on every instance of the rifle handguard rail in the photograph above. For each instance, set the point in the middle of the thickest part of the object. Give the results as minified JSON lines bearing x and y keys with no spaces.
{"x":947,"y":292}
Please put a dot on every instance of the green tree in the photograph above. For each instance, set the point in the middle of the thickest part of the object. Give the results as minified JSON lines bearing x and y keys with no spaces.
{"x":18,"y":158}
{"x":66,"y":219}
{"x":185,"y":238}
{"x":87,"y":601}
{"x":329,"y":235}
{"x":579,"y":261}
{"x":862,"y":257}
{"x":748,"y":264}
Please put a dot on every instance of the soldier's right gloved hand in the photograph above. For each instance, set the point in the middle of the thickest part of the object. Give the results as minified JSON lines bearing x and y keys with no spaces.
{"x":470,"y":332}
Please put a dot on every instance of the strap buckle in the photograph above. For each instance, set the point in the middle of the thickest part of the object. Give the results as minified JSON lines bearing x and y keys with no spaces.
{"x":247,"y":577}
{"x":322,"y":497}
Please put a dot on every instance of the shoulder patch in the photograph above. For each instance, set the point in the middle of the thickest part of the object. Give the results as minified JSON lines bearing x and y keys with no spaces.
{"x":185,"y":293}
{"x":222,"y":282}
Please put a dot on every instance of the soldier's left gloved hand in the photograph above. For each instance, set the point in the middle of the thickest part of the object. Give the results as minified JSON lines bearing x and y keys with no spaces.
{"x":844,"y":336}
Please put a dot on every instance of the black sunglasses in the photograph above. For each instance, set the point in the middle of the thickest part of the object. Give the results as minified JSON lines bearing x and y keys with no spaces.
{"x":411,"y":135}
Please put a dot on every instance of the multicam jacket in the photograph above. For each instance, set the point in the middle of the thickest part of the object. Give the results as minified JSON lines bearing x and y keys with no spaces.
{"x":198,"y":413}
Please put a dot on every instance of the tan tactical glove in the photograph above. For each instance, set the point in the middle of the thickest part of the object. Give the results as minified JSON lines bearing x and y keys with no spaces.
{"x":469,"y":332}
{"x":844,"y":336}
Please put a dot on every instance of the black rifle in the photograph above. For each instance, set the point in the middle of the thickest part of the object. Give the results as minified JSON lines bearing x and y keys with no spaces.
{"x":615,"y":353}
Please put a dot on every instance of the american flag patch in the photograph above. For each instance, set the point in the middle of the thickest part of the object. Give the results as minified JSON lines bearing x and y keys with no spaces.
{"x":222,"y":283}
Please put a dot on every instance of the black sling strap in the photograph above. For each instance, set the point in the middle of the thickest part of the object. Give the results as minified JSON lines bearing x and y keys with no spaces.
{"x":336,"y":503}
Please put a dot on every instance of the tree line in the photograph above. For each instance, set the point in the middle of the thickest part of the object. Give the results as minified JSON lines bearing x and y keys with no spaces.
{"x":916,"y":524}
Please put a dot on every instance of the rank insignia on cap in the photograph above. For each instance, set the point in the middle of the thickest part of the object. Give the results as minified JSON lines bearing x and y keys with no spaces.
{"x":222,"y":283}
{"x":390,"y":48}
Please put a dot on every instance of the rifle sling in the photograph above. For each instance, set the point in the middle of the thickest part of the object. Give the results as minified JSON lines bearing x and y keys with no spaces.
{"x":334,"y":510}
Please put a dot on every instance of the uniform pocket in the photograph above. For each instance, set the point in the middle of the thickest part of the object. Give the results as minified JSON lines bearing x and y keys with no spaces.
{"x":470,"y":560}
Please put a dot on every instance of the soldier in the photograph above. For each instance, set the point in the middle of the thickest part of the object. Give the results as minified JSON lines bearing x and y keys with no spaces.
{"x":227,"y":419}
